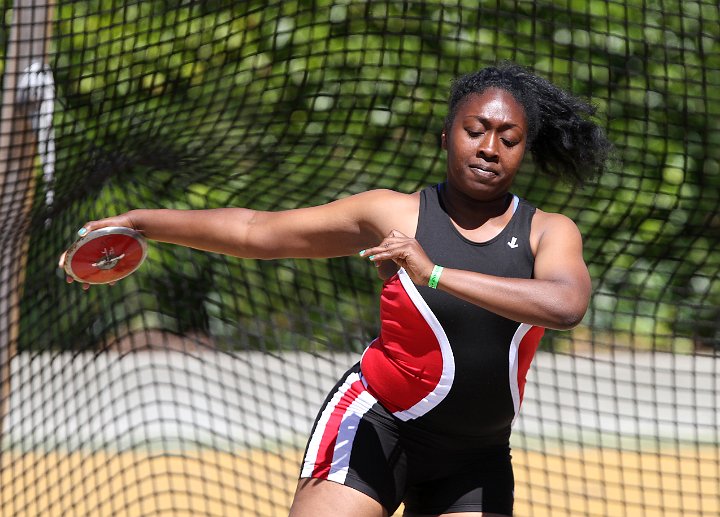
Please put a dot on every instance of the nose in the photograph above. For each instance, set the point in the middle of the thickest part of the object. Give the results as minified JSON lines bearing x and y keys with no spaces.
{"x":488,"y":146}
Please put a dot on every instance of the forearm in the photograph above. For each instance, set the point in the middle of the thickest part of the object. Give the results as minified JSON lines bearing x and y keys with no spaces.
{"x":553,"y":304}
{"x":223,"y":230}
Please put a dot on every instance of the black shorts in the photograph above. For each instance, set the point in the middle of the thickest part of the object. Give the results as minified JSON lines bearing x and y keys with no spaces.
{"x":358,"y":443}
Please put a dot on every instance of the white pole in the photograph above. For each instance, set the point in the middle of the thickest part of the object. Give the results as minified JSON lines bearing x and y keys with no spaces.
{"x":21,"y":107}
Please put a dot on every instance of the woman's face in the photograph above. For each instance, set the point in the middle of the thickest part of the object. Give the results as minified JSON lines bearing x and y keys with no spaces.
{"x":485,"y":144}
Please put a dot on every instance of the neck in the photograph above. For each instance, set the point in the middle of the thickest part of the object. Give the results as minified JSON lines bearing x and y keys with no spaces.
{"x":471,"y":213}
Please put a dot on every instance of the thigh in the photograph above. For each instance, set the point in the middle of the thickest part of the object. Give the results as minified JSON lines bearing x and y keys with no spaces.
{"x":480,"y":484}
{"x":322,"y":498}
{"x":355,"y":443}
{"x":455,"y":514}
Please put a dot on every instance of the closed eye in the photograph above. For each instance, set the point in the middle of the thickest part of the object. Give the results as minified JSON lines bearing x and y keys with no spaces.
{"x":509,"y":143}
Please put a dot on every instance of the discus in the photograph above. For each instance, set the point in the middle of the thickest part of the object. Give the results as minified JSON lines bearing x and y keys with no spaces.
{"x":105,"y":255}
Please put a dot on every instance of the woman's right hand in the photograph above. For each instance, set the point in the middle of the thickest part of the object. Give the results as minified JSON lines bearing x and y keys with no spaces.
{"x":118,"y":220}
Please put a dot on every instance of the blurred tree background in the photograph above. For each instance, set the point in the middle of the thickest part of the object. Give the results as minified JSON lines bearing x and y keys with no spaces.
{"x":282,"y":104}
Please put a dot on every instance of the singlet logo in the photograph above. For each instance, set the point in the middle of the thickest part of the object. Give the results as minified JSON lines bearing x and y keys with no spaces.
{"x":513,"y":243}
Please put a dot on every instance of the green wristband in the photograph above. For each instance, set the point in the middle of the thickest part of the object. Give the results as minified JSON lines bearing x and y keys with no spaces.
{"x":435,"y":276}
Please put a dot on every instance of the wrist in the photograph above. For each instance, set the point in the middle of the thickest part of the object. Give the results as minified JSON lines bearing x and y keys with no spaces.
{"x":435,"y":276}
{"x":134,"y":218}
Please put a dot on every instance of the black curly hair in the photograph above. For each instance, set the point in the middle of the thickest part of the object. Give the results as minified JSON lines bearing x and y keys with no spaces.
{"x":564,"y":142}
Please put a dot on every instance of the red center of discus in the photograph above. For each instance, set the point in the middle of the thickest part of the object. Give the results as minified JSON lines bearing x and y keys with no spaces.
{"x":107,"y":258}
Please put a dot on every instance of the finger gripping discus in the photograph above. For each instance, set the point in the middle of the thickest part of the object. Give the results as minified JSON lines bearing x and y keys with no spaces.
{"x":106,"y":255}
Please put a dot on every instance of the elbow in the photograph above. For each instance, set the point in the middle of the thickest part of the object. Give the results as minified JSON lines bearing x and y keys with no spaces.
{"x":568,"y":318}
{"x":568,"y":307}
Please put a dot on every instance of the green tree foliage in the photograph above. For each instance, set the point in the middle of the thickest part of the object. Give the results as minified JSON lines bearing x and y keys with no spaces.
{"x":281,"y":104}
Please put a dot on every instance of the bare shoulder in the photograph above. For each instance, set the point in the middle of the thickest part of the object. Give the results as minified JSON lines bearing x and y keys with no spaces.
{"x":388,"y":210}
{"x":383,"y":196}
{"x":550,"y":226}
{"x":544,"y":221}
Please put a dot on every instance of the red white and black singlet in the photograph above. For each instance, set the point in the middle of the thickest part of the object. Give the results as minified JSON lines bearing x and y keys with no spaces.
{"x":444,"y":364}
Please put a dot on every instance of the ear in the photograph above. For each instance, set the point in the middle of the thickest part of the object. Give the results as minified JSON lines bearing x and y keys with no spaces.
{"x":443,"y":140}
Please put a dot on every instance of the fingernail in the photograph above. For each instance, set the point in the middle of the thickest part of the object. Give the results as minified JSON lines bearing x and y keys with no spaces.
{"x":371,"y":257}
{"x":82,"y":232}
{"x":362,"y":252}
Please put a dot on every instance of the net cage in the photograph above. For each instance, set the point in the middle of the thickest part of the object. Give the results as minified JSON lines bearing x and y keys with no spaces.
{"x":189,"y":388}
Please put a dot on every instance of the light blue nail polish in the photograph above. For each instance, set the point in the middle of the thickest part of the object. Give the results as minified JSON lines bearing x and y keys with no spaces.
{"x":362,"y":252}
{"x":371,"y":257}
{"x":82,"y":232}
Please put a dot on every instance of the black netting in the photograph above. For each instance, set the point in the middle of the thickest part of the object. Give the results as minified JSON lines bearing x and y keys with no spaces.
{"x":189,"y":387}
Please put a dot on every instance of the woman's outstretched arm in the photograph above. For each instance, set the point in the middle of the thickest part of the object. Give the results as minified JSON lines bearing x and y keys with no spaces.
{"x":338,"y":228}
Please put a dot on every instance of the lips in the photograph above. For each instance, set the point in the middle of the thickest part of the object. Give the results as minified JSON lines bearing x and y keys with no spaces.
{"x":483,"y":171}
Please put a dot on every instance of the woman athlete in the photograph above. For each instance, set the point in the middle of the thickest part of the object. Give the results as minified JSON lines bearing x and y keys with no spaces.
{"x":472,"y":277}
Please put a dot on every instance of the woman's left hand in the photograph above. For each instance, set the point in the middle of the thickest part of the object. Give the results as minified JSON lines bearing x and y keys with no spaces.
{"x":404,"y":251}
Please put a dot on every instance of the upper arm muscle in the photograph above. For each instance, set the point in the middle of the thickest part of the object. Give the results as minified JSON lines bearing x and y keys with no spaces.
{"x":559,"y":258}
{"x":341,"y":227}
